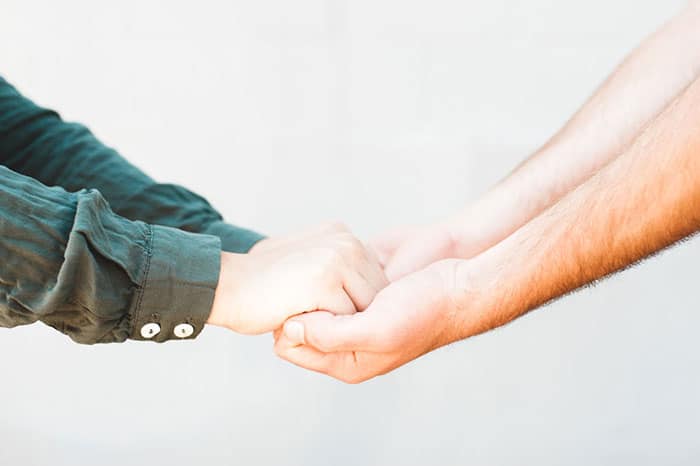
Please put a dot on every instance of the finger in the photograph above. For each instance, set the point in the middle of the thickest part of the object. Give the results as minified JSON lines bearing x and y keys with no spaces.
{"x":359,"y":289}
{"x":371,"y":253}
{"x":388,"y":242}
{"x":414,"y":255}
{"x":343,"y":366}
{"x":303,"y":356}
{"x":363,"y":277}
{"x":329,"y":333}
{"x":383,"y":254}
{"x":373,"y":270}
{"x":337,"y":302}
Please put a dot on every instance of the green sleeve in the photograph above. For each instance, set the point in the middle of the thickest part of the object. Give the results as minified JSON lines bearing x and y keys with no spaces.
{"x":70,"y":262}
{"x":36,"y":142}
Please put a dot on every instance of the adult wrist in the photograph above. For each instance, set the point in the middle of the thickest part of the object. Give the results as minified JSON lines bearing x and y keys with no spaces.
{"x":224,"y":309}
{"x":477,"y":296}
{"x":472,"y":231}
{"x":456,"y":299}
{"x":233,"y":239}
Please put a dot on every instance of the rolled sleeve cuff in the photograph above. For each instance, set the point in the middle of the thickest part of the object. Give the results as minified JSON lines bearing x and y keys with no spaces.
{"x":233,"y":238}
{"x":182,"y":272}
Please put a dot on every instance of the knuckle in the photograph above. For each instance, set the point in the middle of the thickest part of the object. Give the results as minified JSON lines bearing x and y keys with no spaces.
{"x":333,"y":258}
{"x":354,"y":244}
{"x":325,"y":260}
{"x":350,"y":245}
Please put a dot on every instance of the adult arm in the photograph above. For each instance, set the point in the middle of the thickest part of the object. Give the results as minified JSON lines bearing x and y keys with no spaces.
{"x":643,"y":201}
{"x":636,"y":92}
{"x":36,"y":142}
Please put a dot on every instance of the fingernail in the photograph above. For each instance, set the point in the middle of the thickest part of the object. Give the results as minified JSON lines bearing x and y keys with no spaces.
{"x":294,"y":331}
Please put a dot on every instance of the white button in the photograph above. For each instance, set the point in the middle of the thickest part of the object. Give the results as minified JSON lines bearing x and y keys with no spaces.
{"x":150,"y":330}
{"x":183,"y":330}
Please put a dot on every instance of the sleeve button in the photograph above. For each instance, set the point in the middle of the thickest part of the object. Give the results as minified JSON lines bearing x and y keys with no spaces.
{"x":183,"y":330}
{"x":150,"y":330}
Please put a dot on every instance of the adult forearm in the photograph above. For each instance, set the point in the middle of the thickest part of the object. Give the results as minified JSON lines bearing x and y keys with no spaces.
{"x":36,"y":142}
{"x":643,"y":201}
{"x":641,"y":87}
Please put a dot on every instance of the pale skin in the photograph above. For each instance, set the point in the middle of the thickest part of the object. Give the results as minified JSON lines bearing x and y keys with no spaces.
{"x":617,"y":184}
{"x":637,"y":91}
{"x":323,"y":268}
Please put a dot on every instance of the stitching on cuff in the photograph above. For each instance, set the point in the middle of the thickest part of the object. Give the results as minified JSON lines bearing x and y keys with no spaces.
{"x":149,"y":239}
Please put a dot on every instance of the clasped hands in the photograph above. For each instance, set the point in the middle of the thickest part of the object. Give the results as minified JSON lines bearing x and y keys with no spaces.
{"x":578,"y":210}
{"x":329,"y":301}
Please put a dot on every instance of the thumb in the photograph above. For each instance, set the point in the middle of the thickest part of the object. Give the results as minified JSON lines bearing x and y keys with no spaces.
{"x":386,"y":244}
{"x":432,"y":244}
{"x":415,"y":255}
{"x":329,"y":333}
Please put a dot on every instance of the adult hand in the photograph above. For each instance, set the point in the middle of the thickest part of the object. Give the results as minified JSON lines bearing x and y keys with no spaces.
{"x":405,"y":250}
{"x":409,"y":318}
{"x":323,"y":269}
{"x":464,"y":235}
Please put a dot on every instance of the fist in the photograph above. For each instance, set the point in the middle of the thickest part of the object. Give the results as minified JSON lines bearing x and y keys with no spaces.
{"x":323,"y":269}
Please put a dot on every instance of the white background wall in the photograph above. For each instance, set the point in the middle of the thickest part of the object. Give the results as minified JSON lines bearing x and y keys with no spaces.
{"x":287,"y":113}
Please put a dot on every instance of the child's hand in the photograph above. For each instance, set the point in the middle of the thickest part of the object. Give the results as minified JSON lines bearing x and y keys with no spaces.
{"x":325,"y":269}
